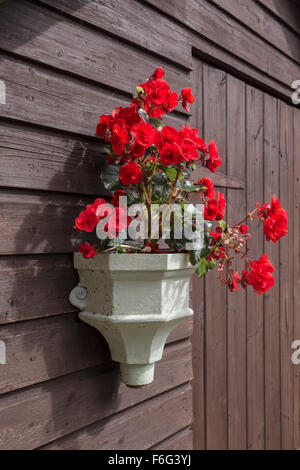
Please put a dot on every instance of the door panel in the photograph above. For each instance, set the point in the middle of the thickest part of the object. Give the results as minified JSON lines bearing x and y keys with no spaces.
{"x":245,"y":386}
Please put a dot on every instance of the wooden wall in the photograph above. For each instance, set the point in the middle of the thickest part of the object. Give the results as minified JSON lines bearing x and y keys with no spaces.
{"x":65,"y":63}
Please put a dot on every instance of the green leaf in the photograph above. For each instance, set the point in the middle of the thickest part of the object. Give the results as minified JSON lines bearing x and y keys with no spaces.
{"x":223,"y":225}
{"x":205,"y":252}
{"x":161,"y":187}
{"x":201,"y":270}
{"x":211,"y":264}
{"x":121,"y":250}
{"x":133,"y":197}
{"x":188,"y":187}
{"x":205,"y":266}
{"x":138,"y":91}
{"x":171,"y":173}
{"x":110,"y":177}
{"x":195,"y":256}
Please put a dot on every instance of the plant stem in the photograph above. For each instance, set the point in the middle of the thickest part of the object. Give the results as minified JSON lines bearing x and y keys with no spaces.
{"x":121,"y":246}
{"x":174,"y":185}
{"x":246,"y":218}
{"x":150,"y":182}
{"x":145,"y":194}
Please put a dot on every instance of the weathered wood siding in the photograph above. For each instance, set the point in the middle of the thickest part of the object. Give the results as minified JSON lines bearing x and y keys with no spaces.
{"x":65,"y":63}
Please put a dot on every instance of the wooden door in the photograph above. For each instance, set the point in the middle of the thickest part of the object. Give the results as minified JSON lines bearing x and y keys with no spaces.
{"x":246,"y":389}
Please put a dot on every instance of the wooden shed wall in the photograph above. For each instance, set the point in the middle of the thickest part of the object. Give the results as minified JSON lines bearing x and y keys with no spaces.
{"x":65,"y":63}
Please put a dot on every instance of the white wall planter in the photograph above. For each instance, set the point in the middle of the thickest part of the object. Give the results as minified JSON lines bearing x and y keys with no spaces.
{"x":135,"y":301}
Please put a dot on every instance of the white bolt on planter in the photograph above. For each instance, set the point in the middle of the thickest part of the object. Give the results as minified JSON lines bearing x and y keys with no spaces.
{"x":135,"y":301}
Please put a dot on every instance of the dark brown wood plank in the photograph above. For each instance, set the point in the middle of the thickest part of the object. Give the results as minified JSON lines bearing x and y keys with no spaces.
{"x":39,"y":223}
{"x":214,"y":116}
{"x":229,"y":34}
{"x":253,"y":16}
{"x":271,"y":298}
{"x":40,"y":96}
{"x":35,"y":286}
{"x":38,"y":159}
{"x":44,"y":349}
{"x":38,"y":415}
{"x":296,"y":274}
{"x":182,"y":331}
{"x":236,"y":211}
{"x":255,"y":316}
{"x":224,"y":59}
{"x":41,"y":350}
{"x":127,"y":430}
{"x":286,"y":276}
{"x":197,"y":296}
{"x":45,"y":36}
{"x":287,"y":12}
{"x":183,"y":440}
{"x":219,"y":179}
{"x":133,"y":21}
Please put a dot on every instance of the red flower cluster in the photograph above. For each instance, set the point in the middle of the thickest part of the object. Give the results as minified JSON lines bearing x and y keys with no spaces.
{"x":187,"y":97}
{"x":130,"y":136}
{"x":87,"y":250}
{"x":88,"y":219}
{"x":178,"y":147}
{"x":214,"y":209}
{"x":130,"y":174}
{"x":259,"y":275}
{"x":208,"y":184}
{"x":156,"y":95}
{"x":275,"y":220}
{"x":117,"y":219}
{"x":213,"y":160}
{"x":140,"y":148}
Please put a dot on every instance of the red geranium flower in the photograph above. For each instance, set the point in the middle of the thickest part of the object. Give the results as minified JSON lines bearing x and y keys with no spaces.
{"x":119,"y":138}
{"x":211,"y":210}
{"x":193,"y":135}
{"x":260,"y":275}
{"x":243,"y":229}
{"x":170,"y":154}
{"x":170,"y":134}
{"x":116,"y":197}
{"x":137,"y":150}
{"x":130,"y":174}
{"x":118,"y":221}
{"x":128,"y":116}
{"x":87,"y":220}
{"x":103,"y":126}
{"x":213,"y":161}
{"x":87,"y":250}
{"x":143,"y":134}
{"x":172,"y":100}
{"x":215,"y":209}
{"x":275,"y":225}
{"x":208,"y":184}
{"x":158,"y":73}
{"x":222,"y":205}
{"x":158,"y":91}
{"x":189,"y":151}
{"x":233,"y":283}
{"x":187,"y":95}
